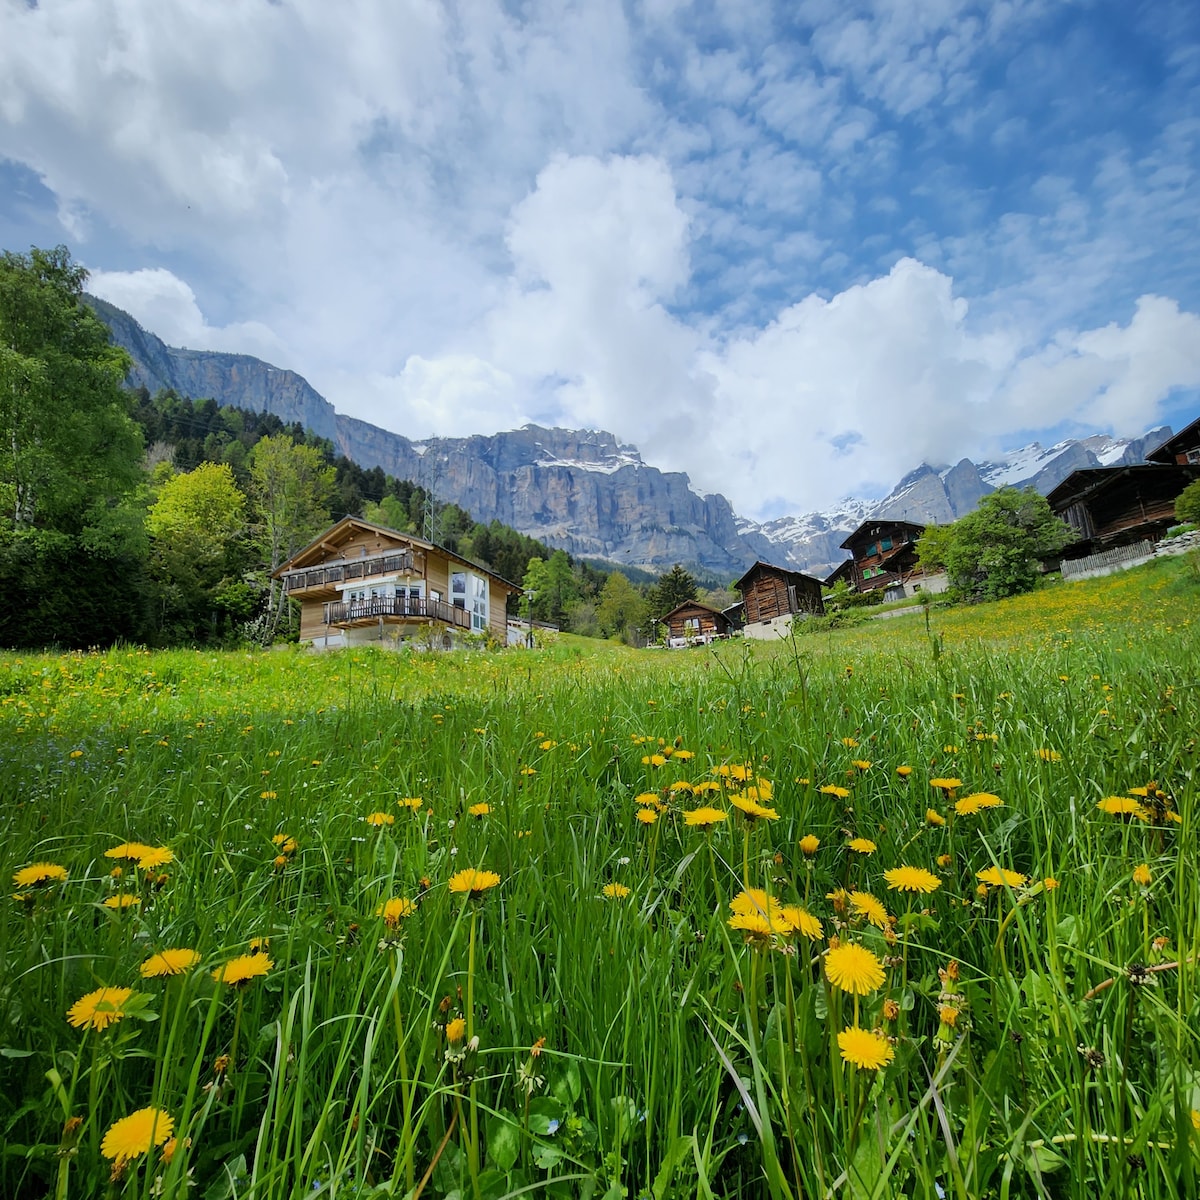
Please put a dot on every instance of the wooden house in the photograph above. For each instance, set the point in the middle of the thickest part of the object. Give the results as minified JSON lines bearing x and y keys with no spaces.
{"x":692,"y":624}
{"x":361,"y":584}
{"x":772,"y":596}
{"x":883,"y":554}
{"x":1117,"y":506}
{"x":1182,"y":449}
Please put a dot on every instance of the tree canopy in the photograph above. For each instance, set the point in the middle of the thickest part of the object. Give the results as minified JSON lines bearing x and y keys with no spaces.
{"x":1187,"y":506}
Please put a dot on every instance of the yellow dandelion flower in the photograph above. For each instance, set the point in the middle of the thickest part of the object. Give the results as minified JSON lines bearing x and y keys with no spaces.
{"x":240,"y":971}
{"x":704,"y":818}
{"x":648,"y":799}
{"x":456,"y":1030}
{"x":285,"y":842}
{"x":750,"y":808}
{"x":680,"y":785}
{"x":853,"y":968}
{"x":169,"y":962}
{"x":946,"y":785}
{"x":393,"y":911}
{"x":861,"y":764}
{"x":647,"y":816}
{"x":870,"y":907}
{"x":944,"y":860}
{"x":833,"y":789}
{"x":480,"y":810}
{"x":548,"y":744}
{"x":861,"y":845}
{"x":684,"y":755}
{"x":99,"y":1009}
{"x":39,"y":873}
{"x":130,"y":850}
{"x":380,"y":818}
{"x":865,"y":1048}
{"x":1141,"y":875}
{"x":1050,"y":883}
{"x":260,"y":945}
{"x":412,"y":802}
{"x":1123,"y":806}
{"x":948,"y":1015}
{"x":1000,"y":877}
{"x":809,"y":844}
{"x":904,"y":771}
{"x":802,"y":921}
{"x":473,"y":881}
{"x":653,"y":760}
{"x":615,"y":891}
{"x":706,"y":786}
{"x":912,"y":879}
{"x":1047,"y":755}
{"x":933,"y":817}
{"x":136,"y":1134}
{"x":849,"y":742}
{"x":758,"y":928}
{"x":155,"y":857}
{"x":968,"y":806}
{"x":123,"y":901}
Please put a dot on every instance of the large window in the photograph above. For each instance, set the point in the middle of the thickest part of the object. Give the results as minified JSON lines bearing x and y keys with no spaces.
{"x":469,"y":591}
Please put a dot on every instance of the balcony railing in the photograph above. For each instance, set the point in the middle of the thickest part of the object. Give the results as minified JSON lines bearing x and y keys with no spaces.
{"x":396,"y":606}
{"x":350,"y":568}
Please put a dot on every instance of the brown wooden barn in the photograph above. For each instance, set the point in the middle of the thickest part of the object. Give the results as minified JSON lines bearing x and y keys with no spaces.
{"x":883,"y":554}
{"x":692,"y":623}
{"x":1181,"y":449}
{"x":772,"y":596}
{"x":361,"y":584}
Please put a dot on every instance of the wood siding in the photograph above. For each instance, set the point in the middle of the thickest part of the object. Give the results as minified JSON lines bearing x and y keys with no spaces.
{"x":771,"y":593}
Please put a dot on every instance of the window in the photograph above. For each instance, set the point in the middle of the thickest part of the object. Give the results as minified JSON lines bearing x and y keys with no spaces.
{"x":886,"y":544}
{"x":691,"y":625}
{"x":458,"y":589}
{"x":479,"y":604}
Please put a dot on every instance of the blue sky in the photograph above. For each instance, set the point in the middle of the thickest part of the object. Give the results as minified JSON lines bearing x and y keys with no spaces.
{"x":793,"y":249}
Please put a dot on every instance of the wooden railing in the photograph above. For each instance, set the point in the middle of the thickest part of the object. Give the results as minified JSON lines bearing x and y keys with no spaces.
{"x":350,"y":568}
{"x":342,"y":613}
{"x":1081,"y":568}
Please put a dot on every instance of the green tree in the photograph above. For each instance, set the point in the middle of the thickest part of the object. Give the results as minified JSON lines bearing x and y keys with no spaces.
{"x":292,"y":487}
{"x":622,"y":609}
{"x":934,"y":545}
{"x":994,"y":551}
{"x":1187,"y":505}
{"x":672,"y":589}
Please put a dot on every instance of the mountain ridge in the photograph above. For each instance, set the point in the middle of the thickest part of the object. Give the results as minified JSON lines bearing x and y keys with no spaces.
{"x":586,"y":492}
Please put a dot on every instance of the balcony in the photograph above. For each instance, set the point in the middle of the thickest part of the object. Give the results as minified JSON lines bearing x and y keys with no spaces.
{"x":396,"y":608}
{"x":352,"y":568}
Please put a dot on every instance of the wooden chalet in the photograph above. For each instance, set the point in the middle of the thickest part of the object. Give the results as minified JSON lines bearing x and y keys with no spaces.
{"x":692,"y":624}
{"x":1182,"y":449}
{"x":772,"y":596}
{"x":361,"y":584}
{"x":883,"y":554}
{"x":1117,"y":506}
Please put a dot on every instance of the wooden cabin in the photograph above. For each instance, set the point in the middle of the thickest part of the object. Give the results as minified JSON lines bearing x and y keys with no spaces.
{"x":772,"y":596}
{"x":1117,"y":506}
{"x":362,"y":584}
{"x":883,"y":554}
{"x":693,"y":624}
{"x":1182,"y":449}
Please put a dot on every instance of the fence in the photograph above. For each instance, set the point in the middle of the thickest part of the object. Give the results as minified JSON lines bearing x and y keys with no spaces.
{"x":1107,"y":561}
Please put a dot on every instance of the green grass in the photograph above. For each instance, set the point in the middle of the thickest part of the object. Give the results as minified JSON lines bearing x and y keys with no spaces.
{"x":678,"y":1059}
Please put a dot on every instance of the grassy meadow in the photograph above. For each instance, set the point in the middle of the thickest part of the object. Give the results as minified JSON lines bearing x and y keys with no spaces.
{"x":902,"y":910}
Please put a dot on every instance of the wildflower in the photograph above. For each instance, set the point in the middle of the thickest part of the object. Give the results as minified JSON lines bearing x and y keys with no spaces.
{"x":948,"y":1015}
{"x":853,"y":968}
{"x":411,"y":802}
{"x":615,"y":891}
{"x":1000,"y":877}
{"x":647,"y":816}
{"x":933,"y":817}
{"x":891,"y":1009}
{"x":680,"y":785}
{"x":39,"y":873}
{"x":265,"y":796}
{"x":944,"y":860}
{"x":969,"y":805}
{"x":394,"y":910}
{"x":861,"y":764}
{"x":802,"y":921}
{"x":285,"y":842}
{"x":156,"y":856}
{"x":751,"y":809}
{"x":1141,"y":875}
{"x":951,"y":749}
{"x":704,"y":818}
{"x":548,"y":744}
{"x":480,"y":810}
{"x":240,"y":971}
{"x":280,"y":861}
{"x":866,"y":905}
{"x":832,"y":789}
{"x":169,"y":962}
{"x":912,"y":879}
{"x":1050,"y":883}
{"x":456,"y":1030}
{"x":473,"y":881}
{"x":865,"y":1048}
{"x":123,"y":901}
{"x":808,"y":845}
{"x":134,"y":1135}
{"x":130,"y":850}
{"x":260,"y":945}
{"x":527,"y":771}
{"x":1049,"y":755}
{"x":99,"y":1009}
{"x":684,"y":755}
{"x":653,"y":760}
{"x":904,"y":772}
{"x":758,"y":927}
{"x":1123,"y":806}
{"x":738,"y":772}
{"x":861,"y":845}
{"x":379,"y":818}
{"x":849,"y":742}
{"x":947,"y":786}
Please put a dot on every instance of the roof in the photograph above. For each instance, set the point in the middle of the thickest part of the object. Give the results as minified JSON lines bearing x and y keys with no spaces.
{"x":1087,"y":481}
{"x":844,"y":570}
{"x":716,"y":612}
{"x":766,"y":566}
{"x":1188,"y":438}
{"x":329,"y":542}
{"x":881,"y":525}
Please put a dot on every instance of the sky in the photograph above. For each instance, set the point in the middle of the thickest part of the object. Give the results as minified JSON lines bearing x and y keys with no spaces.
{"x":794,"y":249}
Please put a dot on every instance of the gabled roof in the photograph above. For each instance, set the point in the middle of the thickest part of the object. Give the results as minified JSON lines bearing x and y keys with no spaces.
{"x":1088,"y":481}
{"x":875,"y":526}
{"x":1188,"y":438}
{"x":330,"y":543}
{"x":844,"y":570}
{"x":716,"y":612}
{"x":791,"y":576}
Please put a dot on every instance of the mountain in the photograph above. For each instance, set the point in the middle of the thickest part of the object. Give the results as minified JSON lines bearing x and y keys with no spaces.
{"x":585,"y":492}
